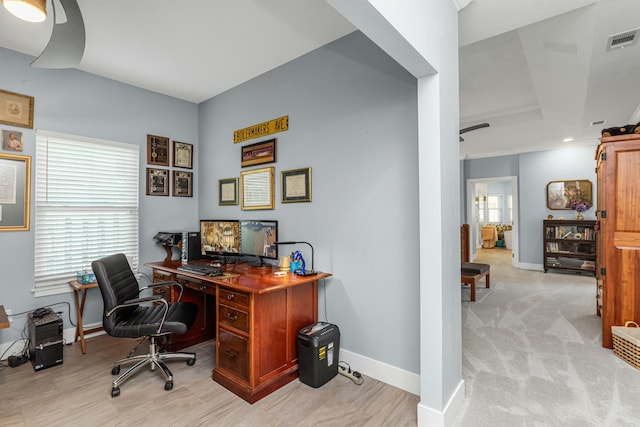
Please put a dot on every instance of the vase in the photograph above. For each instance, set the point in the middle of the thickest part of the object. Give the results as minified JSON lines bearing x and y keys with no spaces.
{"x":579,"y":216}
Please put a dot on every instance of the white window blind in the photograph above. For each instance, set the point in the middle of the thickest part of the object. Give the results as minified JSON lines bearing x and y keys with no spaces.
{"x":86,"y":206}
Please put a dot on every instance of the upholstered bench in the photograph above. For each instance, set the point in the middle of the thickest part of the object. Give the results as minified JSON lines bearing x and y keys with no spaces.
{"x":472,"y":272}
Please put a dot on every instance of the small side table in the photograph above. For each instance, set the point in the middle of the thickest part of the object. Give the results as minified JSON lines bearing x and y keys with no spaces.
{"x":80,"y":331}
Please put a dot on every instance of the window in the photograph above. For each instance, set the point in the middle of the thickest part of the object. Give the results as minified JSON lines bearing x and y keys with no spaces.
{"x":86,"y":206}
{"x":494,"y":208}
{"x":510,"y":208}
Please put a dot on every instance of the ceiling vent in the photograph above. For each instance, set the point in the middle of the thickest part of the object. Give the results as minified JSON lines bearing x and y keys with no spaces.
{"x":622,"y":39}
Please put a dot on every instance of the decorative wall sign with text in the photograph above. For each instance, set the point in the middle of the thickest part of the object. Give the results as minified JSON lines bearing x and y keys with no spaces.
{"x":280,"y":124}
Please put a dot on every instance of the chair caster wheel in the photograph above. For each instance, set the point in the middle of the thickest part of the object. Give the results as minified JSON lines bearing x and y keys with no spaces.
{"x":191,"y":362}
{"x":115,"y":370}
{"x":168,"y":385}
{"x":115,"y":392}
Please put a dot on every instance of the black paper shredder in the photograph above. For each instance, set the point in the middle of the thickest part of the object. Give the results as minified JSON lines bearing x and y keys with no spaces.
{"x":318,"y":351}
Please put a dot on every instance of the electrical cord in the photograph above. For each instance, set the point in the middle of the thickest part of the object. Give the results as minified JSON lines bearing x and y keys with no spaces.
{"x":345,"y":369}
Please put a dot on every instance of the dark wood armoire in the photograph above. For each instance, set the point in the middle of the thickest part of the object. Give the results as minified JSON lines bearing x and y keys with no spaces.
{"x":618,"y":242}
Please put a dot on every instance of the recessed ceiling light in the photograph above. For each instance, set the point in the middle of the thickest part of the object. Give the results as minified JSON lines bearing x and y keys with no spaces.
{"x":567,"y":140}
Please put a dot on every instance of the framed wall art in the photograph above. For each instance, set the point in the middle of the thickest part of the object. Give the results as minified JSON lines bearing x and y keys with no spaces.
{"x":157,"y":150}
{"x":12,"y":140}
{"x":15,"y":192}
{"x":296,"y":185}
{"x":16,"y":109}
{"x":157,"y":182}
{"x":560,"y":194}
{"x":182,"y":155}
{"x":259,"y":153}
{"x":258,"y":189}
{"x":182,"y":184}
{"x":228,"y":192}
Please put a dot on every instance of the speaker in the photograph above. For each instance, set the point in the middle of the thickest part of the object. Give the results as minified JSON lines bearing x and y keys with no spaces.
{"x":45,"y":338}
{"x":191,"y":249}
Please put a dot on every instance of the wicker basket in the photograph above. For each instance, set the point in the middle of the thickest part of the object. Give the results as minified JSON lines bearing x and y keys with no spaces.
{"x":626,"y":343}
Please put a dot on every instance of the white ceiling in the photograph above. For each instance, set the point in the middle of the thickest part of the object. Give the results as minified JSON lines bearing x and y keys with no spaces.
{"x":537,"y":71}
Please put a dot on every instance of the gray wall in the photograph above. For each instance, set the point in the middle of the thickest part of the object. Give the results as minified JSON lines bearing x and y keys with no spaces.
{"x":534,"y":171}
{"x":79,"y":103}
{"x":352,"y":119}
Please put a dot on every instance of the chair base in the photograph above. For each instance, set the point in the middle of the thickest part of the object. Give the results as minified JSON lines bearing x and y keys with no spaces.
{"x":154,"y":359}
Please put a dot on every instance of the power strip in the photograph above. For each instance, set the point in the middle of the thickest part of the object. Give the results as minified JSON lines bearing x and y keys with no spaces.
{"x":354,"y":376}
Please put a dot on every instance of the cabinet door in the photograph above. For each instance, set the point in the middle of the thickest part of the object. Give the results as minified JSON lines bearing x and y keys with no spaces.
{"x":233,"y":354}
{"x":621,"y":259}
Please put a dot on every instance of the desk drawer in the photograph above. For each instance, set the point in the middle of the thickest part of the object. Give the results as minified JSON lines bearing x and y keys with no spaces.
{"x":240,"y":298}
{"x":198,"y":286}
{"x":234,"y":318}
{"x":233,"y":354}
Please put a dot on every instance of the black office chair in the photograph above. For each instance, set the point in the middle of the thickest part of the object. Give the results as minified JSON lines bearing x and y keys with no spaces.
{"x":126,"y":315}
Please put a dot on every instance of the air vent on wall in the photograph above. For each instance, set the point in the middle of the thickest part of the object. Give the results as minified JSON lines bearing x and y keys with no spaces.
{"x":622,"y":39}
{"x":598,"y":122}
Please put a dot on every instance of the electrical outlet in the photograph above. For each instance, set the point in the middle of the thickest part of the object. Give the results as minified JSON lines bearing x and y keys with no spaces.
{"x":9,"y":314}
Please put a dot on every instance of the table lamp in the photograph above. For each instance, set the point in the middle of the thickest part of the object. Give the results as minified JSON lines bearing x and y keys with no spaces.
{"x":302,"y":272}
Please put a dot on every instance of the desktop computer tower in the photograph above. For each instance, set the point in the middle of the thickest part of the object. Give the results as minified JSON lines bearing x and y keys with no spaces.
{"x":190,"y":246}
{"x":45,"y":338}
{"x":318,"y":352}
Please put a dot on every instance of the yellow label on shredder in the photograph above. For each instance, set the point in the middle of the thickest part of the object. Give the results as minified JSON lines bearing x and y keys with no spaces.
{"x":322,"y":353}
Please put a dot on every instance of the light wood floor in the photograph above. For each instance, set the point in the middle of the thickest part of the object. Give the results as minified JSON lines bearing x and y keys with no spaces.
{"x":78,"y":393}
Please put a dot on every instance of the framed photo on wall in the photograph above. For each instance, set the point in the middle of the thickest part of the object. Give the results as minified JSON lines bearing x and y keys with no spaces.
{"x":157,"y":150}
{"x":182,"y":184}
{"x":258,"y":189}
{"x":182,"y":155}
{"x":296,"y":185}
{"x":259,"y":153}
{"x":15,"y":192}
{"x":157,"y":182}
{"x":16,"y":109}
{"x":560,"y":194}
{"x":228,"y":192}
{"x":12,"y":140}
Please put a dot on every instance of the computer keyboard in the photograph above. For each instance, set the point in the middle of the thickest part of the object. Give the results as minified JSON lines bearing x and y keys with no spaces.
{"x":202,"y":269}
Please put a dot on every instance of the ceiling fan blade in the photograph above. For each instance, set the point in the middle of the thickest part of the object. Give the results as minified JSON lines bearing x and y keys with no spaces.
{"x":66,"y":45}
{"x":474,"y":127}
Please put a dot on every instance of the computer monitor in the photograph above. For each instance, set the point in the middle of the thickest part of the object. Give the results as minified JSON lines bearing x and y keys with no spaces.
{"x":258,"y":239}
{"x":219,"y":237}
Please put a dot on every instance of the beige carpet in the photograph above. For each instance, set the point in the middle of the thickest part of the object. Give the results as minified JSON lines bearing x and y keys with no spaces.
{"x":532,"y":354}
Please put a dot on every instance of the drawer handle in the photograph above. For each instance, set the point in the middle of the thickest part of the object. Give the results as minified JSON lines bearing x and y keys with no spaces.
{"x":232,"y":317}
{"x":230,"y":296}
{"x":231,"y":353}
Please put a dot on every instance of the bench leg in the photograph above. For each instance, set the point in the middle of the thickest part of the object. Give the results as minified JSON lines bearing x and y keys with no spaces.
{"x":487,"y":282}
{"x":473,"y":290}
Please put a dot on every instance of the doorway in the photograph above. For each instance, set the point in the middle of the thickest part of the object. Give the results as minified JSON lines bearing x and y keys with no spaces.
{"x":502,"y":209}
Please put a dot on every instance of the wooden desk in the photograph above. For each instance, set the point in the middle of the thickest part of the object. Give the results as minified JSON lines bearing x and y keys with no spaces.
{"x":255,"y":317}
{"x":80,"y":331}
{"x":4,"y":320}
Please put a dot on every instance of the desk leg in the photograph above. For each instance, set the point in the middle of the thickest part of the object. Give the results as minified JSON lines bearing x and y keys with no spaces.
{"x":79,"y":327}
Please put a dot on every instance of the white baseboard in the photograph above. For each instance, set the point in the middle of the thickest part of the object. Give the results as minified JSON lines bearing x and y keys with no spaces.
{"x":405,"y":380}
{"x":429,"y":417}
{"x":528,"y":266}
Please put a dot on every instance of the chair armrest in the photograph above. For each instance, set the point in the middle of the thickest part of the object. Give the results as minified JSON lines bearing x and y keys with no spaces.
{"x":166,"y":283}
{"x":136,"y":301}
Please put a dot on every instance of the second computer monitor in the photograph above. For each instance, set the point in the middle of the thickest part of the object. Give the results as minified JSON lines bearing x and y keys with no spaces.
{"x":258,"y":238}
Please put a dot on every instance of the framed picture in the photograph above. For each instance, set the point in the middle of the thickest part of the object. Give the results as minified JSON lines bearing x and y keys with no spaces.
{"x":259,"y":153}
{"x":157,"y":150}
{"x":157,"y":182}
{"x":228,"y":192}
{"x":296,"y":185}
{"x":182,"y":155}
{"x":11,"y":140}
{"x":15,"y":192}
{"x":560,"y":194}
{"x":182,"y":184}
{"x":16,"y":109}
{"x":258,"y":189}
